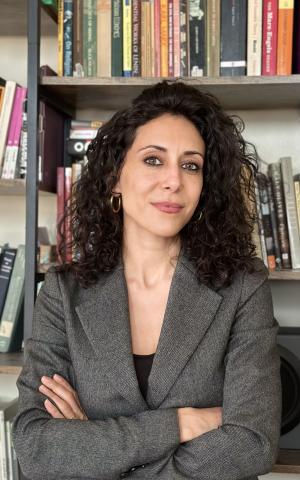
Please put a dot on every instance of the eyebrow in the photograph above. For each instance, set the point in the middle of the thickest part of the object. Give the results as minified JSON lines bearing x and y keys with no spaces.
{"x":163,"y":149}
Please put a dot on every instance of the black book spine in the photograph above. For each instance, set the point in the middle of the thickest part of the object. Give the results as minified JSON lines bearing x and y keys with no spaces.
{"x":197,"y":16}
{"x":233,"y":37}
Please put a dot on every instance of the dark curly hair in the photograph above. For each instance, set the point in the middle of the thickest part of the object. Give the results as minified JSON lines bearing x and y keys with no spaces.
{"x":221,"y":243}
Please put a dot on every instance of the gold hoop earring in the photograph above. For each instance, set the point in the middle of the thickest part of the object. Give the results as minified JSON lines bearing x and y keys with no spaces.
{"x":200,"y":216}
{"x":113,"y":196}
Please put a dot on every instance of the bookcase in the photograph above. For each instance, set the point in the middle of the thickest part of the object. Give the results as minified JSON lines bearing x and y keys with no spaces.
{"x":75,"y":95}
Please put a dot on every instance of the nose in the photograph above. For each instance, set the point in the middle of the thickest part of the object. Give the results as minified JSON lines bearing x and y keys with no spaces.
{"x":172,"y":178}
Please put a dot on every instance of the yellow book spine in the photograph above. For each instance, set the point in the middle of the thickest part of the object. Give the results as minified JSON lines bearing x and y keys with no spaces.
{"x":164,"y":61}
{"x":60,"y":38}
{"x":127,"y":38}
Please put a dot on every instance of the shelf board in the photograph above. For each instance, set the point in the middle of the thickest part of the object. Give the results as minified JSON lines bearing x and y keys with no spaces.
{"x":284,"y":274}
{"x":11,"y":362}
{"x":13,"y":19}
{"x":114,"y":93}
{"x":17,"y":186}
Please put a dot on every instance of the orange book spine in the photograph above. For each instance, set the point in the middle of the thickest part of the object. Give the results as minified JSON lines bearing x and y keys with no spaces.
{"x":285,"y":37}
{"x":164,"y":37}
{"x":176,"y":37}
{"x":157,"y":37}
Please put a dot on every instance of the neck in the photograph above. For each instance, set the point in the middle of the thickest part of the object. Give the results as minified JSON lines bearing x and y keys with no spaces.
{"x":148,"y":264}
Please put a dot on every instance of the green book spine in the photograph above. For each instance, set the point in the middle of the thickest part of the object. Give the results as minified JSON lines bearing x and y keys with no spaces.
{"x":90,"y":37}
{"x":117,"y":39}
{"x":13,"y":304}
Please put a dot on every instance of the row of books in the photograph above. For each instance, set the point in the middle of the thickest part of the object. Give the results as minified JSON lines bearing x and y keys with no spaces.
{"x":173,"y":38}
{"x":278,"y":212}
{"x":9,"y":466}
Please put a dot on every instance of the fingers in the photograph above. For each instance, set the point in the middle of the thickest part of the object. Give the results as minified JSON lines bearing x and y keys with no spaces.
{"x":54,"y":412}
{"x":63,"y":395}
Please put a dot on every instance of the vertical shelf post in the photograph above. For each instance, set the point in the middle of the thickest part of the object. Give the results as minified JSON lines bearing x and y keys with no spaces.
{"x":32,"y":181}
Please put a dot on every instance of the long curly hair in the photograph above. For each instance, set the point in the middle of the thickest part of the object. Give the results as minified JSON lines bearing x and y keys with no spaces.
{"x":221,"y":243}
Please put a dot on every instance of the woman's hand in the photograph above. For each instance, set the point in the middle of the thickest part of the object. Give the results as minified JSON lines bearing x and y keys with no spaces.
{"x":64,"y":396}
{"x":193,"y":422}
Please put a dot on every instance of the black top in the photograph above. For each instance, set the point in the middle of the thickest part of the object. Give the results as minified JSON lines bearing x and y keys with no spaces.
{"x":143,"y":364}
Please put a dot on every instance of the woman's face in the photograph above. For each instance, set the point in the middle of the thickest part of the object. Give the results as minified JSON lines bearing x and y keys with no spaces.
{"x":164,"y":164}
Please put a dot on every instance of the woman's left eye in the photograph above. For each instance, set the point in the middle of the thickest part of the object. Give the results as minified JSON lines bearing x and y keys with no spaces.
{"x":194,"y":165}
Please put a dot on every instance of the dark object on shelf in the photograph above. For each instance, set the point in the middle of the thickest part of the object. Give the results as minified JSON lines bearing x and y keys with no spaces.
{"x":288,"y":340}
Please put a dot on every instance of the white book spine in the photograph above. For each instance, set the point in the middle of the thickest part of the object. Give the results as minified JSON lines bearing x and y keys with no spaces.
{"x":291,"y":209}
{"x":9,"y":93}
{"x":254,"y":37}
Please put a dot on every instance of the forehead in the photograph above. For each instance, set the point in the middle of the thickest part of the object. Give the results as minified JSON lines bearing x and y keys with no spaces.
{"x":168,"y":129}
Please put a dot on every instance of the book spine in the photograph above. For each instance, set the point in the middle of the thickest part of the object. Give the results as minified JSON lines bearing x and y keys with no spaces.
{"x":291,"y":210}
{"x":5,"y":115}
{"x":297,"y":195}
{"x":266,"y":220}
{"x":170,"y":39}
{"x":269,"y":37}
{"x":164,"y":70}
{"x":176,"y":37}
{"x":117,"y":39}
{"x":184,"y":39}
{"x":260,"y":225}
{"x":60,"y":187}
{"x":104,"y":51}
{"x":296,"y":39}
{"x":254,"y":37}
{"x":78,"y":39}
{"x":152,"y":38}
{"x":197,"y":14}
{"x":3,"y":464}
{"x":17,"y":134}
{"x":285,"y":37}
{"x":136,"y":38}
{"x":60,"y":38}
{"x":67,"y":201}
{"x":274,"y":171}
{"x":8,"y":450}
{"x":213,"y":26}
{"x":157,"y":34}
{"x":6,"y":268}
{"x":11,"y":133}
{"x":68,"y":38}
{"x":148,"y":40}
{"x":233,"y":37}
{"x":90,"y":37}
{"x":23,"y":144}
{"x":13,"y":302}
{"x":274,"y":225}
{"x":127,"y":38}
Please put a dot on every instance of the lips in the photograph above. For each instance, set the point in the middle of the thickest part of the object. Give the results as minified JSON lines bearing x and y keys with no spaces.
{"x":168,"y":207}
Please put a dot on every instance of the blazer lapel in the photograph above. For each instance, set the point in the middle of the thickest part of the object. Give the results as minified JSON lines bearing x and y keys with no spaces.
{"x":190,"y":309}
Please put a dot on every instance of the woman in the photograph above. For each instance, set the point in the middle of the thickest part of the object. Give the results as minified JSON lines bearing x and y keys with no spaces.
{"x":154,"y":353}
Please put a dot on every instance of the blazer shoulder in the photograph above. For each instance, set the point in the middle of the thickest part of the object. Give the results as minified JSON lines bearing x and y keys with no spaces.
{"x":251,"y":282}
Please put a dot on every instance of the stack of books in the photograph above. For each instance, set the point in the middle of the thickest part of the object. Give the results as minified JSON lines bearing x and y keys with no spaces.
{"x":175,"y":38}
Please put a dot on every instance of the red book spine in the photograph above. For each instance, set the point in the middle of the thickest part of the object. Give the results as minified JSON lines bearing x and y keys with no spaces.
{"x":269,"y":51}
{"x":60,"y":208}
{"x":68,"y":226}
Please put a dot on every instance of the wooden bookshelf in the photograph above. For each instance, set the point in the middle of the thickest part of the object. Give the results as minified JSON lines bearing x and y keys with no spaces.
{"x":11,"y":362}
{"x":284,"y":275}
{"x":114,"y":93}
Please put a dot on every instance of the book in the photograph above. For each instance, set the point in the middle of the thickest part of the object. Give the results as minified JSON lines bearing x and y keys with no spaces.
{"x":274,"y":172}
{"x":291,"y":210}
{"x":233,"y":37}
{"x":8,"y":256}
{"x":274,"y":224}
{"x":104,"y":47}
{"x":296,"y":39}
{"x":77,"y":43}
{"x":117,"y":39}
{"x":8,"y":410}
{"x":68,"y":38}
{"x":213,"y":31}
{"x":285,"y":36}
{"x":11,"y":325}
{"x":5,"y":115}
{"x":266,"y":220}
{"x":127,"y":38}
{"x":260,"y":225}
{"x":297,"y":195}
{"x":60,"y":37}
{"x":176,"y":37}
{"x":90,"y":37}
{"x":184,"y":39}
{"x":164,"y":56}
{"x":197,"y":19}
{"x":170,"y":39}
{"x":254,"y":37}
{"x":269,"y":37}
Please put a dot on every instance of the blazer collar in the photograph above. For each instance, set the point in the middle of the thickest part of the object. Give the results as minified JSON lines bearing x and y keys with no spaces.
{"x":191,"y":308}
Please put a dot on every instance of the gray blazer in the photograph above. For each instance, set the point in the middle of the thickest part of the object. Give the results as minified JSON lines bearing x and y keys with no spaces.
{"x":215,"y":349}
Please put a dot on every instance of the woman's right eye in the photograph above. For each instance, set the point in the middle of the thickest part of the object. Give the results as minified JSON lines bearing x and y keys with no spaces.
{"x":146,"y":160}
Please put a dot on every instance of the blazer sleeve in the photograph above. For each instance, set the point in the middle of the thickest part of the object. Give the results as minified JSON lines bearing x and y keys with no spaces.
{"x":247,"y":443}
{"x":51,"y":448}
